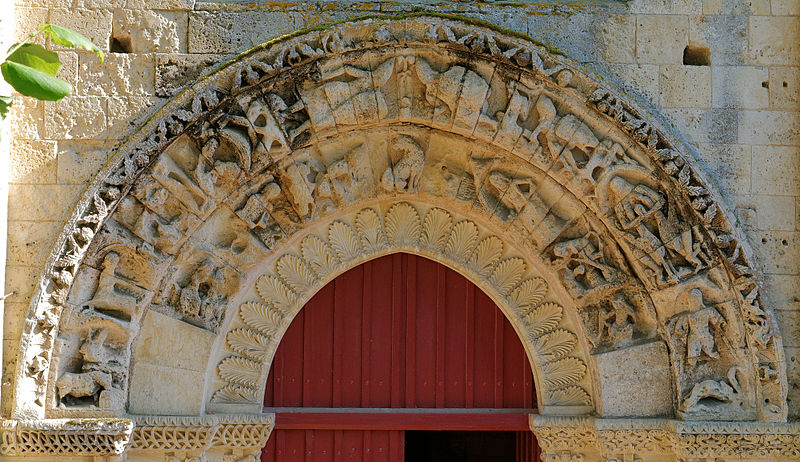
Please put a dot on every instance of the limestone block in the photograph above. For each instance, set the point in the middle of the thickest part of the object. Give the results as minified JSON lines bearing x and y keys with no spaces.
{"x":616,"y":38}
{"x":661,"y":39}
{"x":119,"y":74}
{"x":636,"y":381}
{"x":30,"y":242}
{"x":780,"y":292}
{"x":125,"y":113}
{"x":32,"y":161}
{"x":160,"y":4}
{"x":572,"y":34}
{"x":793,"y":374}
{"x":775,"y":40}
{"x":685,"y":86}
{"x":789,"y":324}
{"x":25,"y":118}
{"x":706,"y":126}
{"x":740,"y":87}
{"x":728,"y":165}
{"x":778,"y":251}
{"x":725,"y":37}
{"x":775,"y":213}
{"x":165,"y":390}
{"x":95,"y":24}
{"x":736,"y":7}
{"x":14,"y":314}
{"x":776,"y":170}
{"x":636,"y":79}
{"x":666,"y":6}
{"x":769,"y":127}
{"x":75,"y":117}
{"x":168,"y":342}
{"x":79,"y":161}
{"x":21,"y":280}
{"x":785,"y":7}
{"x":151,"y":31}
{"x":784,"y":87}
{"x":41,"y":202}
{"x":225,"y":32}
{"x":69,"y":67}
{"x":27,"y":20}
{"x":174,"y":71}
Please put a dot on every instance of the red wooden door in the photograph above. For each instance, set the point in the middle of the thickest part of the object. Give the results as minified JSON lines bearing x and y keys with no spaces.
{"x":397,"y":332}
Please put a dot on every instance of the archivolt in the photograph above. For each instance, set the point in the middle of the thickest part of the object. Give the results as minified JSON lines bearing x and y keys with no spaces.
{"x":242,"y":170}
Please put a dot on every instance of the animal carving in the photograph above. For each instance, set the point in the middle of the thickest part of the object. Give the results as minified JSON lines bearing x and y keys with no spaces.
{"x":406,"y":173}
{"x":83,"y":384}
{"x":709,"y":392}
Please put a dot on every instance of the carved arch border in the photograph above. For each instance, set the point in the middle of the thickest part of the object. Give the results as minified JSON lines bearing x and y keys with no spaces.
{"x":692,"y":193}
{"x":564,"y":384}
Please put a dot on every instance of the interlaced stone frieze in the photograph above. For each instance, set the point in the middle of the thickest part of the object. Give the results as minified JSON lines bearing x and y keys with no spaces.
{"x":584,"y":221}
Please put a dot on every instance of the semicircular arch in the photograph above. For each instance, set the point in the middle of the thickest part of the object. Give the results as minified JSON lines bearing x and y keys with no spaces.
{"x":232,"y":176}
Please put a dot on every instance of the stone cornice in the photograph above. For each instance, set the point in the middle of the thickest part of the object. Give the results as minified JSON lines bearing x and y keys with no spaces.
{"x":616,"y":437}
{"x":77,"y":437}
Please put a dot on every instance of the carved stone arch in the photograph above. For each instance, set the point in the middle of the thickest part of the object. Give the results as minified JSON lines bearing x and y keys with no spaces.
{"x":218,"y":191}
{"x":337,"y":243}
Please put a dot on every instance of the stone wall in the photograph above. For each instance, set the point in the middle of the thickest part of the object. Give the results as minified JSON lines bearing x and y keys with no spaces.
{"x":740,"y":112}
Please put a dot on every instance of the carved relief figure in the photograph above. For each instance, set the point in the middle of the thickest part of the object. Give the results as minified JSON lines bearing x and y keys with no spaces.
{"x":343,"y":180}
{"x":583,"y":264}
{"x":113,"y":295}
{"x":101,"y":375}
{"x":662,"y":239}
{"x":710,"y":397}
{"x":296,"y":181}
{"x":203,"y":298}
{"x":694,"y":327}
{"x":405,"y":174}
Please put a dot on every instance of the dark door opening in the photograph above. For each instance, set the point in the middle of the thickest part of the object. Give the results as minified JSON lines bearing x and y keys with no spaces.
{"x":451,"y":446}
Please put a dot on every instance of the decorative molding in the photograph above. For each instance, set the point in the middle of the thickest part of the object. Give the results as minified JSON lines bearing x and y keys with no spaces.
{"x":295,"y":135}
{"x":618,"y":438}
{"x":62,"y":437}
{"x":174,"y":433}
{"x":458,"y":242}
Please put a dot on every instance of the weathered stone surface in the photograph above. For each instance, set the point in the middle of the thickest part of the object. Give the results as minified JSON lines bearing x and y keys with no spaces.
{"x":775,"y":40}
{"x":740,"y":87}
{"x":784,"y":88}
{"x":616,"y":38}
{"x":94,"y":24}
{"x":44,"y":202}
{"x":725,"y":37}
{"x":685,"y":86}
{"x":25,"y":118}
{"x":775,"y":213}
{"x":167,"y":342}
{"x":151,"y":31}
{"x":729,"y":165}
{"x":174,"y":71}
{"x":776,"y":169}
{"x":641,"y":80}
{"x":119,"y":74}
{"x":31,"y":241}
{"x":75,"y":117}
{"x":148,"y":395}
{"x":125,"y":113}
{"x":637,"y":384}
{"x":769,"y":127}
{"x":79,"y":161}
{"x":32,"y":161}
{"x":706,"y":126}
{"x":230,"y":33}
{"x":661,"y":39}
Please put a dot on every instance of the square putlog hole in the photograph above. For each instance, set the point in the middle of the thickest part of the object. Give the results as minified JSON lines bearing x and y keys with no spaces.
{"x":696,"y":55}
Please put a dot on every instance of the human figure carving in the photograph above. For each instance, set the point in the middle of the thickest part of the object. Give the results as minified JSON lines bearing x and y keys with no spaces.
{"x":113,"y":295}
{"x":697,"y":402}
{"x":97,"y":371}
{"x":695,"y":326}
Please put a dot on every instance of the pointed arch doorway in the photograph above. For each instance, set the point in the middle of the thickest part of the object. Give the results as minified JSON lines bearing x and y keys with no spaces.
{"x":400,"y":357}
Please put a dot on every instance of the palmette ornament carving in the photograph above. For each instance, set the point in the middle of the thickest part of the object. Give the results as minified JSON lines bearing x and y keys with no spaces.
{"x":621,"y":216}
{"x":265,"y":320}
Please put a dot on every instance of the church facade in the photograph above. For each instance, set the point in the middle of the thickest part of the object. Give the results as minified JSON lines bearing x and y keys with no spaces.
{"x":320,"y":231}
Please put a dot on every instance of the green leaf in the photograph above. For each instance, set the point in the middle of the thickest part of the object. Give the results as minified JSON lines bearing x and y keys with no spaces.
{"x":5,"y":103}
{"x":37,"y":57}
{"x":69,"y":38}
{"x":34,"y":83}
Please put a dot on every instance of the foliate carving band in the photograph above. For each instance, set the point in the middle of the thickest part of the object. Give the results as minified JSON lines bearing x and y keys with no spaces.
{"x":434,"y":136}
{"x":352,"y":239}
